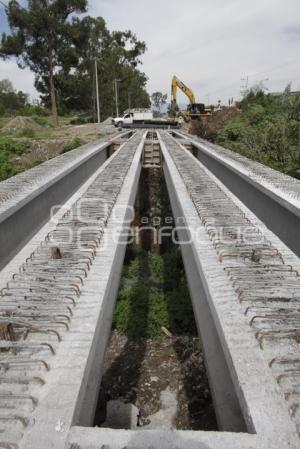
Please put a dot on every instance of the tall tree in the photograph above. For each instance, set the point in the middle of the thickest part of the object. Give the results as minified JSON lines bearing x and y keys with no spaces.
{"x":159,"y":100}
{"x":42,"y":39}
{"x":132,"y":92}
{"x":117,"y":54}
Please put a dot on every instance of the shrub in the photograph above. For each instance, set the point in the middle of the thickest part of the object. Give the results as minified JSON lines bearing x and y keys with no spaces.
{"x":268,"y":131}
{"x":294,"y":172}
{"x":255,"y":114}
{"x":26,"y":132}
{"x":31,"y":109}
{"x":147,"y":300}
{"x":36,"y":162}
{"x":41,"y":120}
{"x":156,"y":268}
{"x":76,"y":142}
{"x":233,"y":132}
{"x":78,"y":121}
{"x":81,"y":120}
{"x":7,"y":167}
{"x":10,"y":145}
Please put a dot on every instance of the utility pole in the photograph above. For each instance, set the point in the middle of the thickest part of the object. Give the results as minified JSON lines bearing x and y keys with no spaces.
{"x":97,"y":91}
{"x":116,"y":96}
{"x":244,"y":86}
{"x":129,"y":100}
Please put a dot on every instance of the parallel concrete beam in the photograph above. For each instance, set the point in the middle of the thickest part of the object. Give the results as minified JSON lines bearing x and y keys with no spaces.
{"x":270,"y":195}
{"x":250,"y":379}
{"x":26,"y":199}
{"x":68,"y":376}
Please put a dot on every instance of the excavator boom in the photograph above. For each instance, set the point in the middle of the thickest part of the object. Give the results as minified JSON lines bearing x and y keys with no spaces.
{"x":176,"y":83}
{"x":194,"y":110}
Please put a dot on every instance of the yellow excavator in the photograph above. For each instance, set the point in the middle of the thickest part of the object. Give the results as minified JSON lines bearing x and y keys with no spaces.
{"x":194,"y":110}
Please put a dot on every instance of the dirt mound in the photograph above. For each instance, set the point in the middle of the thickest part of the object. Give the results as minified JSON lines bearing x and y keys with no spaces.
{"x":209,"y":126}
{"x":88,"y":132}
{"x":19,"y":122}
{"x":107,"y":121}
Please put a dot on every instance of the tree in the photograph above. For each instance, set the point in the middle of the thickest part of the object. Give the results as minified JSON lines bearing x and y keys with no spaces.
{"x":288,"y":89}
{"x":10,"y":100}
{"x":117,"y":54}
{"x":42,"y":39}
{"x":132,"y":91}
{"x":6,"y":86}
{"x":159,"y":100}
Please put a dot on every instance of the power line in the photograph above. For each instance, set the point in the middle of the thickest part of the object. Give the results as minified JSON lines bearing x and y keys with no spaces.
{"x":277,"y":67}
{"x":288,"y":63}
{"x":3,"y":4}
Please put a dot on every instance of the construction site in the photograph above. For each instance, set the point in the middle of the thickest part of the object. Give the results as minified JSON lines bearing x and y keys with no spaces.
{"x":230,"y":375}
{"x":149,"y":225}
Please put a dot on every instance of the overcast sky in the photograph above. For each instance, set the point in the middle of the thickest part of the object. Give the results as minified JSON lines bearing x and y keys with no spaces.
{"x":209,"y":44}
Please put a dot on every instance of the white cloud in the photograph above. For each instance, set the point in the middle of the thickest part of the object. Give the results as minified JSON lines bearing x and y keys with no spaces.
{"x":210,"y":45}
{"x":22,"y":79}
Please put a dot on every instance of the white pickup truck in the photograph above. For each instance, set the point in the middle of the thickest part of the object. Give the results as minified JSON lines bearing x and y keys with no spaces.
{"x":133,"y":116}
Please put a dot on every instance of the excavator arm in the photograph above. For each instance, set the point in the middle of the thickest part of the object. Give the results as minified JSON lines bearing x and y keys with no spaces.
{"x":176,"y":83}
{"x":194,"y":110}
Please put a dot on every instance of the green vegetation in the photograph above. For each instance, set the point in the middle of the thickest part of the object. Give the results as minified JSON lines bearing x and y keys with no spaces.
{"x":34,"y":110}
{"x":27,"y":132}
{"x":153,"y":293}
{"x":153,"y":290}
{"x":11,"y":145}
{"x":60,"y":47}
{"x":81,"y":120}
{"x":11,"y":101}
{"x":14,"y":103}
{"x":7,"y":167}
{"x":41,"y":38}
{"x":76,"y":142}
{"x":9,"y":148}
{"x":41,"y":120}
{"x":22,"y":127}
{"x":267,"y":130}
